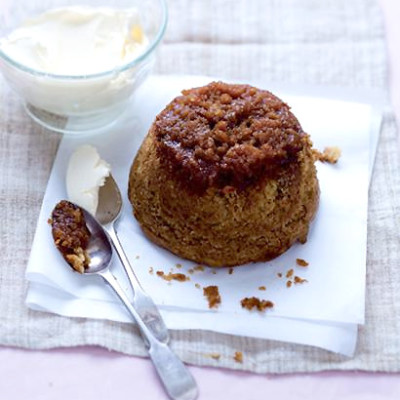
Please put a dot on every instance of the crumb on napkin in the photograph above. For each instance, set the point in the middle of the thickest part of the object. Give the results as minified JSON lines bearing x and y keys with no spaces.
{"x":171,"y":276}
{"x":212,"y":295}
{"x":289,"y":273}
{"x":330,"y":155}
{"x":238,"y":357}
{"x":301,"y":263}
{"x":254,"y":302}
{"x":298,"y":280}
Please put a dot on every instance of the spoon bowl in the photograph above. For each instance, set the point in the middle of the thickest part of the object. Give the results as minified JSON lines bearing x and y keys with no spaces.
{"x":99,"y":247}
{"x":110,"y":202}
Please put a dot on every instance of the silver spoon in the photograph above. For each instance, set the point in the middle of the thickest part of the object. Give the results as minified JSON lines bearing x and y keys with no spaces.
{"x":176,"y":378}
{"x":108,"y":212}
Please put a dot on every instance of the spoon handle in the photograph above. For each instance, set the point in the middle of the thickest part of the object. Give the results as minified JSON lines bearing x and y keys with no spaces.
{"x":142,"y":302}
{"x":176,"y":378}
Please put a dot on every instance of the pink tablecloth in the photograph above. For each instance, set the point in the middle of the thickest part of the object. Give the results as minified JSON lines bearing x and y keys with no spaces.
{"x":94,"y":373}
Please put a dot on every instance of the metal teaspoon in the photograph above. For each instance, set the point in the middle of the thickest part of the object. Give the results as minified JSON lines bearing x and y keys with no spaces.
{"x":108,"y":212}
{"x":176,"y":378}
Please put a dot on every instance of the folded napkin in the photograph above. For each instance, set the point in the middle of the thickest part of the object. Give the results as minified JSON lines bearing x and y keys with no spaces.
{"x":323,"y":312}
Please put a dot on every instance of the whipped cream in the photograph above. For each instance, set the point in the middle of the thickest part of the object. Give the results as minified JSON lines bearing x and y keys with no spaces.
{"x":86,"y":173}
{"x":80,"y":52}
{"x":77,"y":40}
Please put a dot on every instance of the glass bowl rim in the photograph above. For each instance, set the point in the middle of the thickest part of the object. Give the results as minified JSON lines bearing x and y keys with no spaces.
{"x":151,"y":47}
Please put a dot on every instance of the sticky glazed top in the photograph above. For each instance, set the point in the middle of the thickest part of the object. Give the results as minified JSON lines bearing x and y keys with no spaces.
{"x":227,"y":136}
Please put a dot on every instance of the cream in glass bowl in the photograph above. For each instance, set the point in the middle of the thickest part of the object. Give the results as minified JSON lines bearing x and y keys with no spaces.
{"x":76,"y":66}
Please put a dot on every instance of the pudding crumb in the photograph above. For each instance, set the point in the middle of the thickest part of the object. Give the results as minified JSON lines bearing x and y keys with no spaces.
{"x":330,"y":155}
{"x":301,"y":263}
{"x":253,"y":302}
{"x":171,"y":276}
{"x":238,"y":357}
{"x":213,"y":296}
{"x":289,"y":273}
{"x":298,"y":280}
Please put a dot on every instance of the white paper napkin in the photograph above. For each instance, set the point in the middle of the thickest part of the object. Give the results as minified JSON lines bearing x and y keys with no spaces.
{"x":323,"y":312}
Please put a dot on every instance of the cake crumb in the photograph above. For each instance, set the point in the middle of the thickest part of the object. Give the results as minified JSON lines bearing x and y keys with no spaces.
{"x":279,"y":274}
{"x":262,"y":288}
{"x":289,"y":273}
{"x":214,"y":272}
{"x":301,"y":263}
{"x":198,"y":268}
{"x":171,"y":276}
{"x":298,"y":280}
{"x":330,"y":155}
{"x":197,"y":285}
{"x":215,"y":356}
{"x":191,"y":271}
{"x":179,"y":266}
{"x":253,"y":302}
{"x":288,"y":284}
{"x":238,"y":357}
{"x":79,"y":261}
{"x":137,"y":257}
{"x":151,"y":270}
{"x":230,"y":271}
{"x":213,"y":297}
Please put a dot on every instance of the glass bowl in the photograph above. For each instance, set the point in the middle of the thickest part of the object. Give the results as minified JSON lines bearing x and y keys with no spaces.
{"x":86,"y":103}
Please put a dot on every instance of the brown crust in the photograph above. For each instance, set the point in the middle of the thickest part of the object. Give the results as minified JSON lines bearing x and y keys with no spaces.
{"x":227,"y":136}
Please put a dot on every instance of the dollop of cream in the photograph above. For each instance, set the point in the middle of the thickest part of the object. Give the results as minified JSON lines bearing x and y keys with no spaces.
{"x":77,"y":40}
{"x":86,"y":173}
